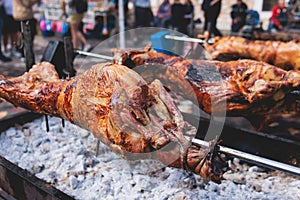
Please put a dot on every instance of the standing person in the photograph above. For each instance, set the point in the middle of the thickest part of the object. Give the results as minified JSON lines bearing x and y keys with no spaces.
{"x":75,"y":19}
{"x":238,"y":15}
{"x":22,"y":12}
{"x":189,"y":13}
{"x":178,"y":12}
{"x":212,"y":9}
{"x":163,"y":14}
{"x":11,"y":30}
{"x":279,"y":17}
{"x":181,"y":15}
{"x":2,"y":13}
{"x":143,"y":13}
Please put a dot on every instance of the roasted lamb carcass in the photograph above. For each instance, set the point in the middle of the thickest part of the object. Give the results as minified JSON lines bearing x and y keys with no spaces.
{"x":241,"y":88}
{"x":134,"y":118}
{"x":285,"y":55}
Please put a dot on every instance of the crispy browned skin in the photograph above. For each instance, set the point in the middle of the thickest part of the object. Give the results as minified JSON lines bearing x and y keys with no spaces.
{"x":285,"y":55}
{"x":240,"y":88}
{"x":114,"y":103}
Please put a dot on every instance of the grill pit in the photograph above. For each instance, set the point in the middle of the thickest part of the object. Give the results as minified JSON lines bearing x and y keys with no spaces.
{"x":65,"y":157}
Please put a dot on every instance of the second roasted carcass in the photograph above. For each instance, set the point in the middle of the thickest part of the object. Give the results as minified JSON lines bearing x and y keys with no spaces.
{"x":285,"y":55}
{"x":246,"y":88}
{"x":134,"y":118}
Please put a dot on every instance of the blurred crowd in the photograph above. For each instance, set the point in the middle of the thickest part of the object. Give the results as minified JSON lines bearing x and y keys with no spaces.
{"x":12,"y":14}
{"x":178,"y":15}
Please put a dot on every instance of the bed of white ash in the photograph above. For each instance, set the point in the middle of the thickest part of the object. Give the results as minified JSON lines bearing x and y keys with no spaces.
{"x":65,"y":157}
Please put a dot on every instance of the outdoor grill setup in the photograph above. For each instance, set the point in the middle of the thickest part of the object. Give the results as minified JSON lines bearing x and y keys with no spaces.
{"x":274,"y":146}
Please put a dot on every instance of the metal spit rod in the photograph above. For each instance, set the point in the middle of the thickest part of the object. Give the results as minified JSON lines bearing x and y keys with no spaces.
{"x":93,"y":55}
{"x":253,"y":158}
{"x":188,"y":39}
{"x":169,"y":37}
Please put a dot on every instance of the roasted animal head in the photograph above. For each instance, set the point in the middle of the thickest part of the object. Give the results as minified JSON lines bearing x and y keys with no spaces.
{"x":143,"y":117}
{"x":144,"y":122}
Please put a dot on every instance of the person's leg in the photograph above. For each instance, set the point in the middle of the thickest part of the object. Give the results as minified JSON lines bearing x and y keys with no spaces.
{"x":14,"y":42}
{"x":5,"y":32}
{"x":206,"y":27}
{"x":14,"y":39}
{"x":216,"y":31}
{"x":15,"y":29}
{"x":164,"y":22}
{"x":32,"y":23}
{"x":18,"y":40}
{"x":240,"y":27}
{"x":2,"y":57}
{"x":77,"y":35}
{"x":145,"y":17}
{"x":5,"y":41}
{"x":157,"y":22}
{"x":14,"y":36}
{"x":213,"y":27}
{"x":1,"y":32}
{"x":81,"y":37}
{"x":74,"y":29}
{"x":270,"y":26}
{"x":182,"y":28}
{"x":139,"y":17}
{"x":149,"y":20}
{"x":235,"y":28}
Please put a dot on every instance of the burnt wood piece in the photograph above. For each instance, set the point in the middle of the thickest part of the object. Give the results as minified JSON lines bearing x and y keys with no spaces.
{"x":21,"y":184}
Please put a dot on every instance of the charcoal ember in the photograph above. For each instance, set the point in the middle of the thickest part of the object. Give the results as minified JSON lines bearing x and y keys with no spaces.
{"x":69,"y":164}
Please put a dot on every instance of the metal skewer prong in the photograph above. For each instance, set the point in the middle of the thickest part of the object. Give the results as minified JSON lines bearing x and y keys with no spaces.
{"x":253,"y":158}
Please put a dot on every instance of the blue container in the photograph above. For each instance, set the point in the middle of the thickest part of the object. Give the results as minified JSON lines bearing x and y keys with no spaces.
{"x":160,"y":43}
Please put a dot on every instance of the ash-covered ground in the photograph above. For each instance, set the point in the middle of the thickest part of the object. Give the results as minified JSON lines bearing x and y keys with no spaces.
{"x":66,"y":158}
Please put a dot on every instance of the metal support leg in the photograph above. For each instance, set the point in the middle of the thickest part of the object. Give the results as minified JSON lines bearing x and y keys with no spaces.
{"x":27,"y":41}
{"x":69,"y":57}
